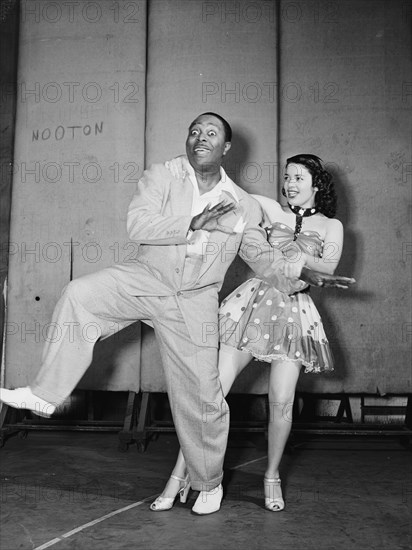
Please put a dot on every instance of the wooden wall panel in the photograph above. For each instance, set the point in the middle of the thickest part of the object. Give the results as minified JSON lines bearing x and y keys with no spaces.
{"x":345,"y":81}
{"x":9,"y":28}
{"x":79,"y":152}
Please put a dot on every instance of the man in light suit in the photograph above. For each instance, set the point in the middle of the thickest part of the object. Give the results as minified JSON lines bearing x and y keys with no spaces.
{"x":189,"y":231}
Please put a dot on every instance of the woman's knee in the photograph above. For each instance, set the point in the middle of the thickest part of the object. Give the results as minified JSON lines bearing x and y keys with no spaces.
{"x":282,"y":382}
{"x":281,"y":401}
{"x":281,"y":395}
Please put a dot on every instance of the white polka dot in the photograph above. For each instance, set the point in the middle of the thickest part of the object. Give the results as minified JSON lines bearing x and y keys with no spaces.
{"x":297,"y":354}
{"x":256,"y":321}
{"x":282,"y":304}
{"x":290,"y":336}
{"x":277,"y":347}
{"x":269,"y":302}
{"x":274,"y":317}
{"x":261,"y":292}
{"x":244,"y":340}
{"x":266,"y":336}
{"x":294,"y":309}
{"x":290,"y":319}
{"x":254,"y":305}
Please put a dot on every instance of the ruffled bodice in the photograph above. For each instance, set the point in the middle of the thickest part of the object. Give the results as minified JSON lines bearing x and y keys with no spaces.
{"x":281,"y":236}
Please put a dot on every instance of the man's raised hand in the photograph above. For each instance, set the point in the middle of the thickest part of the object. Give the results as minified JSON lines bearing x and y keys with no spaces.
{"x":208,"y":220}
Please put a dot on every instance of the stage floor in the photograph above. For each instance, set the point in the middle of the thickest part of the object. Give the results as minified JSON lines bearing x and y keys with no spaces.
{"x":72,"y":490}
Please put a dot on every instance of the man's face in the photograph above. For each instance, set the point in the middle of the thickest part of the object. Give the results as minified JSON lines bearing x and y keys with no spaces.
{"x":206,"y":143}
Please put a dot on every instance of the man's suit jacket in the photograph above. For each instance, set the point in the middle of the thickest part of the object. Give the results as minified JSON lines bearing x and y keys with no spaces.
{"x":158,"y":220}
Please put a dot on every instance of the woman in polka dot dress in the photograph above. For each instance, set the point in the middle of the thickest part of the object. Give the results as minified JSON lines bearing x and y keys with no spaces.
{"x":258,"y":321}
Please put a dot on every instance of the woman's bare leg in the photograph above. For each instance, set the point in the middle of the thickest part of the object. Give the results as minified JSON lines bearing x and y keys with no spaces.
{"x":282,"y":386}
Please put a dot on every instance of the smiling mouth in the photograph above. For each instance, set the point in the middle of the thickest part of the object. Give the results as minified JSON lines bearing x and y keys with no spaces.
{"x":199,"y":149}
{"x":292,"y":194}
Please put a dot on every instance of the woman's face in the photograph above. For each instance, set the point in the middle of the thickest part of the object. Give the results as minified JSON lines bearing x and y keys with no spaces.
{"x":298,"y":186}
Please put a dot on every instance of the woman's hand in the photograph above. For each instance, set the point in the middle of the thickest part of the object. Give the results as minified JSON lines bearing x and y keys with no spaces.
{"x":325,"y":280}
{"x":295,"y":260}
{"x":293,"y":268}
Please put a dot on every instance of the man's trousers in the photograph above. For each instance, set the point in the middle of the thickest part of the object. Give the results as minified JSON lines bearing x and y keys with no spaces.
{"x":95,"y":307}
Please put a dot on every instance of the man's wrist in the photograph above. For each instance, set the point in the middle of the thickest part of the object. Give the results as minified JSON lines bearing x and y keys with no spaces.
{"x":192,"y":224}
{"x":190,"y":231}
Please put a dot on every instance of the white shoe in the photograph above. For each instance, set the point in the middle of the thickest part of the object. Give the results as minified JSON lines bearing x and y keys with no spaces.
{"x":166,"y":503}
{"x":23,"y":398}
{"x":208,"y":502}
{"x":273,"y":503}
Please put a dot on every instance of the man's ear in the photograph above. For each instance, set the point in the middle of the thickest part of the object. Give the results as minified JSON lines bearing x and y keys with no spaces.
{"x":228,"y":145}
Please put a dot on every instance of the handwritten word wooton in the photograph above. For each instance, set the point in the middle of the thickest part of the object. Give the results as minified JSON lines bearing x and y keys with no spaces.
{"x":68,"y":132}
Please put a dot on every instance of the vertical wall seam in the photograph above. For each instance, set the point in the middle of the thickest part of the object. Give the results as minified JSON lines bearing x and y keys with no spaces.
{"x":145,"y":85}
{"x":278,"y":96}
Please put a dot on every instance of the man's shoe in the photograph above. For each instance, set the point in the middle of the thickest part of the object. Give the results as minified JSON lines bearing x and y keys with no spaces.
{"x":208,"y":502}
{"x":23,"y":398}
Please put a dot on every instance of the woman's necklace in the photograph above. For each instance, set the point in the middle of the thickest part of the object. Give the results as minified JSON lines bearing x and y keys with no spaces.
{"x":301,"y":213}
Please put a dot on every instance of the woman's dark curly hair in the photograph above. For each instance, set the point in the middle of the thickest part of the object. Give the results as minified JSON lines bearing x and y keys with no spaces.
{"x":325,"y":198}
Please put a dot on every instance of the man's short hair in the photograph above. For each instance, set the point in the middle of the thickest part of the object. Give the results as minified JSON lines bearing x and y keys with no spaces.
{"x":226,"y":125}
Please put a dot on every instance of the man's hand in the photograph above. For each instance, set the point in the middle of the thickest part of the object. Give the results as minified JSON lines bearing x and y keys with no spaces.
{"x":316,"y":278}
{"x":209,"y":218}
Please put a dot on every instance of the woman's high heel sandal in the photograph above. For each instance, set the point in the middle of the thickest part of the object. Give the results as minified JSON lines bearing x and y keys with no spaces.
{"x":166,"y":503}
{"x":272,"y":503}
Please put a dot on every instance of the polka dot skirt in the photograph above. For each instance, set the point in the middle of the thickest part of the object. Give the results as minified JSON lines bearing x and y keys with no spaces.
{"x":270,"y":325}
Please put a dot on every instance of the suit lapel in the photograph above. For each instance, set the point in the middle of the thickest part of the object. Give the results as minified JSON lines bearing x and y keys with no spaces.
{"x":181,"y":196}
